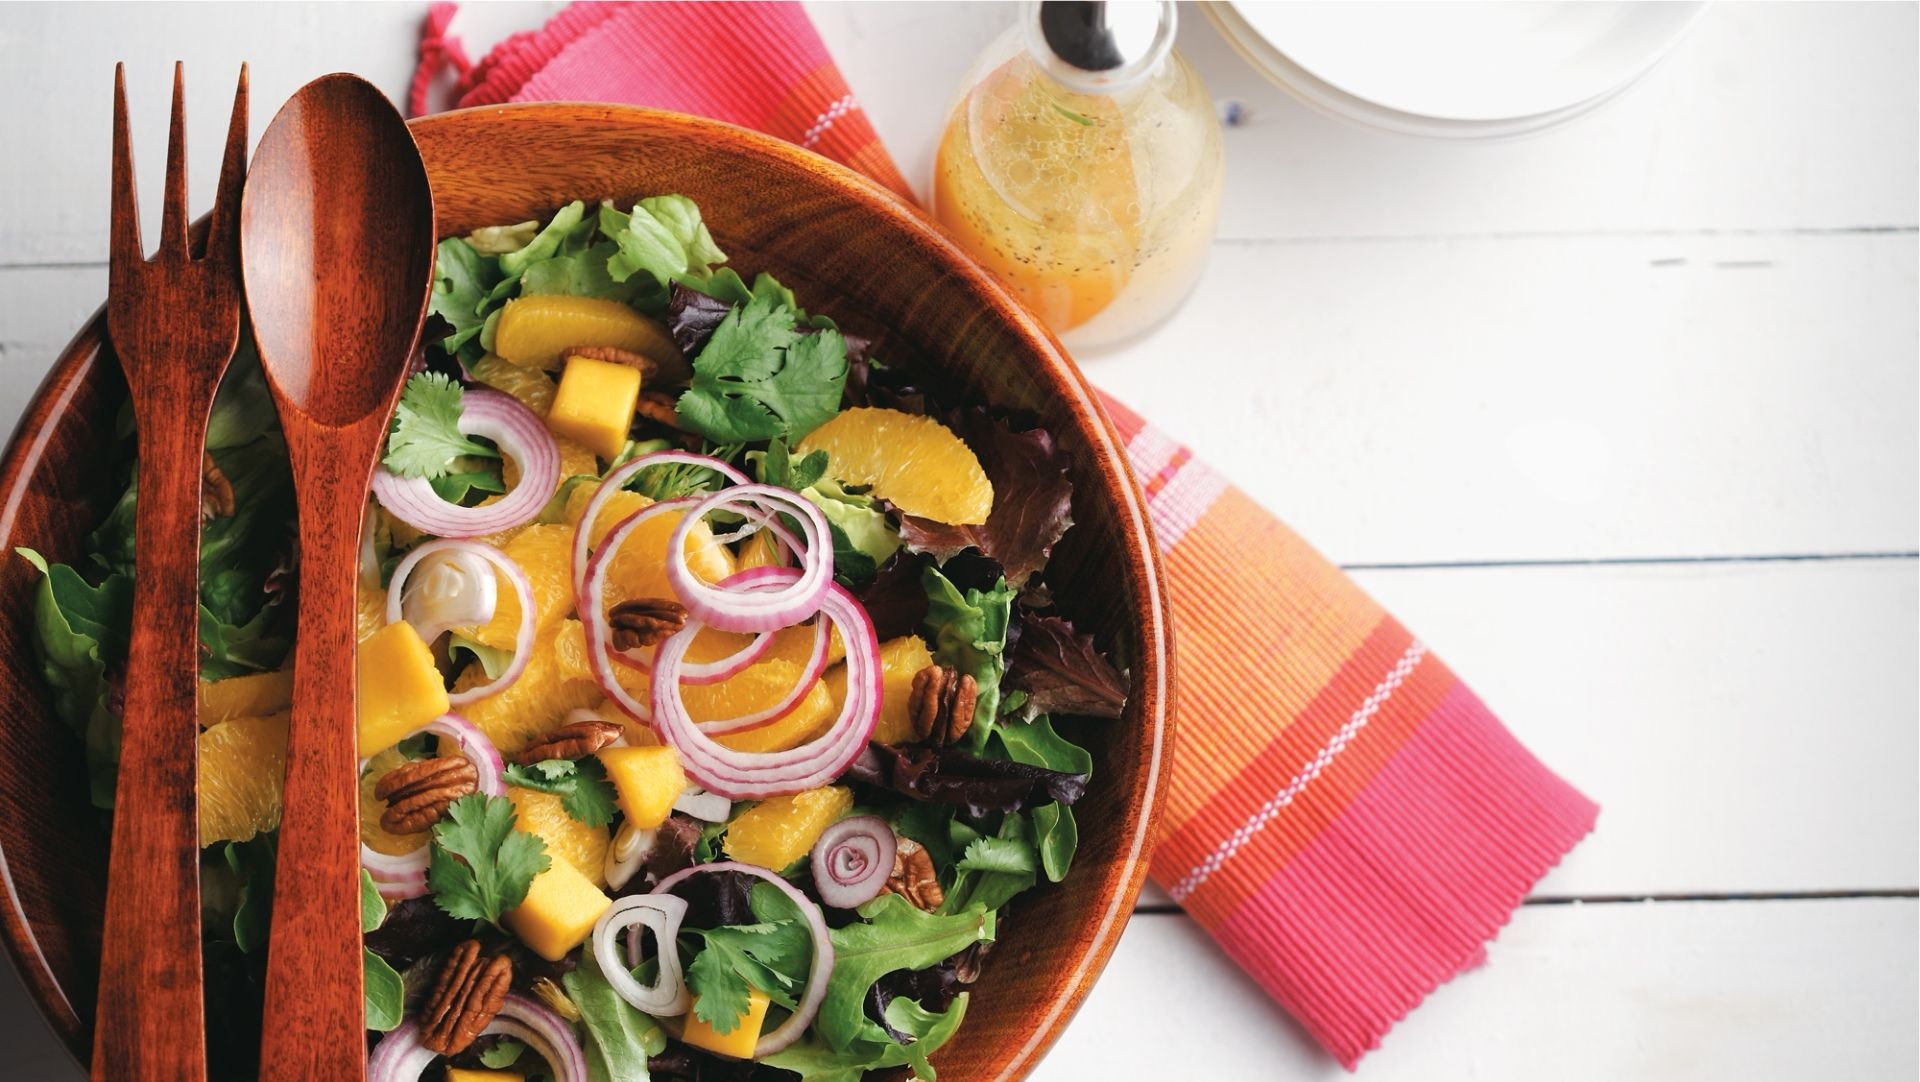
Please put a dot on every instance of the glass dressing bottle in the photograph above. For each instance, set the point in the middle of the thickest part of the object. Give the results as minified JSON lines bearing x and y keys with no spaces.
{"x":1082,"y":166}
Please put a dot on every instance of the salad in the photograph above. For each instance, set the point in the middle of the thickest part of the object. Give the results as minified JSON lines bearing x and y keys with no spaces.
{"x":711,"y":692}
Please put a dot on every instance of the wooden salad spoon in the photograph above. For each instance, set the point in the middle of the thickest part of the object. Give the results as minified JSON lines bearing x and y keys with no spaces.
{"x":175,"y":321}
{"x":337,"y":252}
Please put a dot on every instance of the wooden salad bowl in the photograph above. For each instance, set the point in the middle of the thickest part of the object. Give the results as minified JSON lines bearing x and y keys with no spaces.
{"x":849,"y":249}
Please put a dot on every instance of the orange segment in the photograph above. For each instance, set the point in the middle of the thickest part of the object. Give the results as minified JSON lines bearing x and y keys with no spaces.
{"x":253,"y":695}
{"x":640,"y":570}
{"x":545,"y":555}
{"x":757,"y":687}
{"x":537,"y":331}
{"x":780,"y":830}
{"x":567,"y":838}
{"x":913,"y":461}
{"x":241,"y":764}
{"x":530,"y":385}
{"x":900,"y":660}
{"x":538,"y":702}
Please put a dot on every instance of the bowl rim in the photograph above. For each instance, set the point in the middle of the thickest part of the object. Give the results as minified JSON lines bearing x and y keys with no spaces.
{"x":28,"y":443}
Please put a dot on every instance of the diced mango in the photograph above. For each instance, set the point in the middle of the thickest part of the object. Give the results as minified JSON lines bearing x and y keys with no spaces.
{"x":537,"y":331}
{"x":559,"y":911}
{"x":901,"y":660}
{"x":399,"y":687}
{"x":594,"y":405}
{"x":780,"y":830}
{"x":647,"y":781}
{"x":462,"y":1074}
{"x":737,"y":1042}
{"x":252,"y":695}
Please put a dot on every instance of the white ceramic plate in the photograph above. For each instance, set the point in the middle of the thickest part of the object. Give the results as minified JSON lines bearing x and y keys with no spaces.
{"x":1452,"y":69}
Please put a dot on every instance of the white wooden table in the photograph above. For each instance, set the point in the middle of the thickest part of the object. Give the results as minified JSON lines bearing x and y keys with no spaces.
{"x":1621,"y":418}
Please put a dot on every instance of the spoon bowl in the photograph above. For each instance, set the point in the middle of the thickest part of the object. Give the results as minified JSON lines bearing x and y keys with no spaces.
{"x":337,"y":255}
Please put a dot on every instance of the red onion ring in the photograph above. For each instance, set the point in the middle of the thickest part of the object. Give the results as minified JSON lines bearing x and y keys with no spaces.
{"x":522,"y":591}
{"x":401,"y":876}
{"x":852,"y":860}
{"x":520,"y":435}
{"x":667,"y":996}
{"x":400,"y":1057}
{"x":616,"y":480}
{"x":740,"y":775}
{"x":733,"y":610}
{"x":819,"y":971}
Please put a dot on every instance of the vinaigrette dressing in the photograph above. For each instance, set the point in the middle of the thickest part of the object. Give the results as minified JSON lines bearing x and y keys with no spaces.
{"x":1093,"y":196}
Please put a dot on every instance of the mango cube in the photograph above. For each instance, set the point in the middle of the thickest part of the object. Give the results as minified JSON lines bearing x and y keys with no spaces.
{"x":780,"y":830}
{"x":462,"y":1074}
{"x":594,"y":405}
{"x":646,"y":782}
{"x":399,"y":687}
{"x":737,"y":1042}
{"x":559,"y":911}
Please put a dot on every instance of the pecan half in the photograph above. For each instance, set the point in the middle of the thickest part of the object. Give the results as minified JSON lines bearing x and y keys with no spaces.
{"x":941,"y":704}
{"x":614,"y":355}
{"x":913,"y":876}
{"x":418,"y":793}
{"x":645,"y":622}
{"x":574,"y":740}
{"x":469,"y":992}
{"x":216,"y":492}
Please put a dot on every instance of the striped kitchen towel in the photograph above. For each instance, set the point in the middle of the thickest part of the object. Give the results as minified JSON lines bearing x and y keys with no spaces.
{"x":1348,"y":820}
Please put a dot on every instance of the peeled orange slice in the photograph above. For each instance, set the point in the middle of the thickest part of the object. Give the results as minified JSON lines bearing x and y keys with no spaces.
{"x":241,"y":764}
{"x":915,"y":462}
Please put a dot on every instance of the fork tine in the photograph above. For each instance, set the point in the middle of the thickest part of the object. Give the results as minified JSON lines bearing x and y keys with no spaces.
{"x":124,"y":247}
{"x":173,"y":199}
{"x":223,"y":225}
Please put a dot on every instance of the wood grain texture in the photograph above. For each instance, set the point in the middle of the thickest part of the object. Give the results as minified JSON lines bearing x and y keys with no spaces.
{"x":175,"y":321}
{"x":337,"y":239}
{"x":852,"y":251}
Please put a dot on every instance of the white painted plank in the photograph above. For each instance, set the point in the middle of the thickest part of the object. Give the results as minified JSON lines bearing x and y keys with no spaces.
{"x":1745,"y":727}
{"x":1590,"y":397}
{"x":1746,"y":991}
{"x":1491,"y":399}
{"x":1770,"y":117}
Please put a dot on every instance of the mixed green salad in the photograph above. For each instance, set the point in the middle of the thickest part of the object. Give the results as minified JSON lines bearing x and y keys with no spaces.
{"x":711,"y":691}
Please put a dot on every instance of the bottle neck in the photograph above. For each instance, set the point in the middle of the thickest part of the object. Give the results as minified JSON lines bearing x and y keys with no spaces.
{"x":1099,"y":48}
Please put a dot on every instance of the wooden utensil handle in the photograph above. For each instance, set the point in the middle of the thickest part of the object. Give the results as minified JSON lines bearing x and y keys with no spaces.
{"x":315,"y":1003}
{"x":150,"y":946}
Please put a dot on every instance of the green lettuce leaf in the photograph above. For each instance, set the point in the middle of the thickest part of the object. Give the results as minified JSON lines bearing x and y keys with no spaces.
{"x":463,"y":280}
{"x":79,"y":631}
{"x":863,"y":539}
{"x":969,"y":632}
{"x":619,"y":1038}
{"x":813,"y":1061}
{"x":992,"y":869}
{"x":386,"y":993}
{"x":894,"y":935}
{"x":663,"y":236}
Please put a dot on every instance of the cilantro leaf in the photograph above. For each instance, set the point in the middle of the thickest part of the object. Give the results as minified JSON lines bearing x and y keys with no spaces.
{"x":770,"y":955}
{"x":777,"y":466}
{"x":993,"y":869}
{"x":426,"y":435}
{"x":894,"y":935}
{"x":581,"y":785}
{"x":759,"y":378}
{"x":481,"y":866}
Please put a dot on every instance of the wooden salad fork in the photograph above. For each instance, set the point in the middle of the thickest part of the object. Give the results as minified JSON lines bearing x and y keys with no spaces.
{"x":337,"y":250}
{"x":174,"y":322}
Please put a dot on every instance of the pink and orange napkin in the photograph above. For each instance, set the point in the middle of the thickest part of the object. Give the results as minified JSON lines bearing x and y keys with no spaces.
{"x":1347,"y":819}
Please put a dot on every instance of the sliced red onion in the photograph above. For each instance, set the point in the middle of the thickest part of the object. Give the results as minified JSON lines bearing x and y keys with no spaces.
{"x":520,"y":435}
{"x":616,"y":480}
{"x":400,"y":1057}
{"x":852,"y":860}
{"x":522,"y":591}
{"x":628,"y":854}
{"x":759,"y":610}
{"x":704,"y":806}
{"x":740,"y":775}
{"x":819,"y":971}
{"x":397,"y":877}
{"x":453,"y":586}
{"x":661,"y":913}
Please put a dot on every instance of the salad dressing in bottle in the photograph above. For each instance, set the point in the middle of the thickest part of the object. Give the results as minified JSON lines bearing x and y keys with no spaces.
{"x":1082,"y":166}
